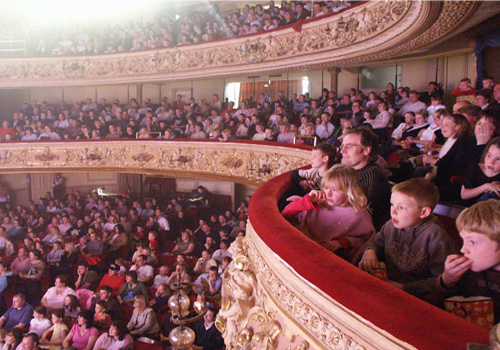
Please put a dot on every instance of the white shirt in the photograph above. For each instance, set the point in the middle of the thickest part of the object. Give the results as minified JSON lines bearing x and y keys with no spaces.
{"x":143,"y":272}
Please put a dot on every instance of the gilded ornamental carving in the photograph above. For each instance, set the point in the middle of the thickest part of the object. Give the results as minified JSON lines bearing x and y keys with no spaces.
{"x":366,"y":29}
{"x":233,"y":161}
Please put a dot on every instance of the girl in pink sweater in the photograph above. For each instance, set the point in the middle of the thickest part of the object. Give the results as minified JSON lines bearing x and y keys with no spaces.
{"x":336,"y":217}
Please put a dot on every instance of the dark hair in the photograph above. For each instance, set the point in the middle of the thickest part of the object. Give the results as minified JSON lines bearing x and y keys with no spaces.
{"x":133,"y":275}
{"x":329,"y":150}
{"x":84,"y":263}
{"x":37,"y":253}
{"x":87,"y":315}
{"x":34,"y":338}
{"x":63,"y":279}
{"x":5,"y":264}
{"x":59,"y":313}
{"x":74,"y":303}
{"x":368,"y":139}
{"x":107,"y":289}
{"x":42,"y":310}
{"x":17,"y":333}
{"x":121,"y":327}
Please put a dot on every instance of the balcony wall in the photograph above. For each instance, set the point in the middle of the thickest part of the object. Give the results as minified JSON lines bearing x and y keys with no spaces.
{"x":283,"y":291}
{"x":370,"y":31}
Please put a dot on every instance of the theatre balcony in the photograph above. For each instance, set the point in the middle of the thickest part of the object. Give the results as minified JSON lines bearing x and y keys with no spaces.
{"x":283,"y":291}
{"x":371,"y":31}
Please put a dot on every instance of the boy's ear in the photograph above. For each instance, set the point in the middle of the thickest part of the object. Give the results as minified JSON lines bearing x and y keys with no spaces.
{"x":425,"y":212}
{"x":325,"y":159}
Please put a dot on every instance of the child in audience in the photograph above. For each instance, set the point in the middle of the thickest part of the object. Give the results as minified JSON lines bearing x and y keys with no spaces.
{"x":71,"y":307}
{"x":337,"y":217}
{"x":482,"y":181}
{"x":153,"y":242}
{"x":101,"y":319}
{"x":323,"y":156}
{"x":162,"y":277}
{"x":39,"y":323}
{"x":413,"y":243}
{"x":120,"y":262}
{"x":161,"y":297}
{"x":57,"y":332}
{"x":477,"y":272}
{"x":138,"y":251}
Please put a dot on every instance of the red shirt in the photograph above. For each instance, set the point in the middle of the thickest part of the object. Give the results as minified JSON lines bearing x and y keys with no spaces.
{"x":114,"y":282}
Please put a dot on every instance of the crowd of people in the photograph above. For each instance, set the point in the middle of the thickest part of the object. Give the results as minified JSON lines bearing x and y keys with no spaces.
{"x":85,"y":272}
{"x":344,"y":201}
{"x":168,"y":31}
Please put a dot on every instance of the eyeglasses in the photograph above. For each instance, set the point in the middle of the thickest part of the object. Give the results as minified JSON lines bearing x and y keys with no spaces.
{"x":348,"y":146}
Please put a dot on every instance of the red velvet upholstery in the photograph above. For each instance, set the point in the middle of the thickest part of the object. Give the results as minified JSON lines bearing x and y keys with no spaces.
{"x":402,"y":315}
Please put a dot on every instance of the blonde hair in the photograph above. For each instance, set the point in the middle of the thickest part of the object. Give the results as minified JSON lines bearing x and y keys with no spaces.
{"x":482,"y":218}
{"x":346,"y":179}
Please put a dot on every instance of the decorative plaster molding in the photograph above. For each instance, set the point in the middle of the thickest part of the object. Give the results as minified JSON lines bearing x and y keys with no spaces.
{"x":230,"y":161}
{"x":371,"y":30}
{"x":300,"y":315}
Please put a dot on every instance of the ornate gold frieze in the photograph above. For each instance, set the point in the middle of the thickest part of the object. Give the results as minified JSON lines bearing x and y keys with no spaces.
{"x":292,"y":314}
{"x":239,"y":162}
{"x":360,"y":29}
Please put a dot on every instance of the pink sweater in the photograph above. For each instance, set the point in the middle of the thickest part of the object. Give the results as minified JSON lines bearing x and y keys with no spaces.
{"x":333,"y":228}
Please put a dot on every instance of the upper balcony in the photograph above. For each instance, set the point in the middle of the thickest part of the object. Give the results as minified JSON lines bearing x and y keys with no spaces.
{"x":369,"y":31}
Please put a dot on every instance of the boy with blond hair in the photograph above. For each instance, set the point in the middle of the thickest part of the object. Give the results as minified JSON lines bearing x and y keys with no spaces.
{"x":477,"y":272}
{"x":413,"y":243}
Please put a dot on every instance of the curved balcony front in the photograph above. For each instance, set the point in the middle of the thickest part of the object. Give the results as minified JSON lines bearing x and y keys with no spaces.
{"x":368,"y":31}
{"x":284,"y":291}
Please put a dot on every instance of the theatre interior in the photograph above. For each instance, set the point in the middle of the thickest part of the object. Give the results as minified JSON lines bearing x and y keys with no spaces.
{"x":140,"y":81}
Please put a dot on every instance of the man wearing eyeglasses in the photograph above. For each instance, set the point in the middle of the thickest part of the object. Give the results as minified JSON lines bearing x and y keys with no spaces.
{"x":360,"y":151}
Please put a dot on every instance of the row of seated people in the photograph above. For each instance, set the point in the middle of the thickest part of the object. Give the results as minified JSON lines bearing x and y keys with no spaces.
{"x":95,"y":259}
{"x":187,"y":29}
{"x":344,"y":200}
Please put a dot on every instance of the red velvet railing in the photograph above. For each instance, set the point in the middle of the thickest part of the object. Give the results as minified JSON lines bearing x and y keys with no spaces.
{"x":402,"y":315}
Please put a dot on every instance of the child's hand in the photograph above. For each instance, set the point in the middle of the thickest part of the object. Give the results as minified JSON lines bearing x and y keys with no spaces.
{"x":369,"y":261}
{"x":493,"y":187}
{"x":293,"y":198}
{"x":454,"y":268}
{"x":317,"y":196}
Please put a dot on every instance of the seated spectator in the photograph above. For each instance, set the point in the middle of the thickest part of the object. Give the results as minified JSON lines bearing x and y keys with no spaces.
{"x":57,"y":332}
{"x":29,"y":283}
{"x":413,"y":244}
{"x":101,"y":318}
{"x":71,"y":307}
{"x":144,"y":271}
{"x":341,"y":200}
{"x":454,"y":157}
{"x":207,"y":336}
{"x":162,"y":277}
{"x":54,"y":297}
{"x":21,"y":264}
{"x":464,"y":88}
{"x":131,"y":288}
{"x":184,"y":245}
{"x":18,"y":315}
{"x":113,"y":308}
{"x":117,"y":338}
{"x":143,"y":321}
{"x":13,"y":339}
{"x":204,"y":263}
{"x":30,"y":341}
{"x":161,"y":297}
{"x":87,"y":279}
{"x":482,"y":181}
{"x":222,"y":252}
{"x":112,"y":279}
{"x":209,"y":282}
{"x":475,"y":272}
{"x":39,"y":323}
{"x":82,"y":335}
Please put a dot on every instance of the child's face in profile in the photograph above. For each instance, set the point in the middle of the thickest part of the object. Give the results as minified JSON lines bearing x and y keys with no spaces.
{"x":334,"y":195}
{"x":405,"y":211}
{"x":67,"y":301}
{"x":481,"y":250}
{"x":161,"y":290}
{"x":317,"y":158}
{"x":37,"y":315}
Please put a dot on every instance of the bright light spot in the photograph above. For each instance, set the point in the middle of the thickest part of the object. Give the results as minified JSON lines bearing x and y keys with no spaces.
{"x":305,"y":85}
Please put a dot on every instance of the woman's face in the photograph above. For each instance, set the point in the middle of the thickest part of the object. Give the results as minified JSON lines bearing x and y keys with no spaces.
{"x":420,"y":120}
{"x":9,"y":339}
{"x":448,"y":127}
{"x":128,"y":279}
{"x":81,"y":321}
{"x":113,"y":331}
